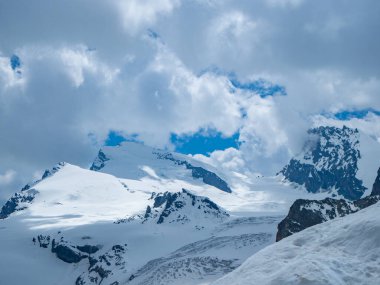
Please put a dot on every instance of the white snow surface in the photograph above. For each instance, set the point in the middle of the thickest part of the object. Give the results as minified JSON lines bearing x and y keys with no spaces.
{"x":133,"y":160}
{"x":345,"y":251}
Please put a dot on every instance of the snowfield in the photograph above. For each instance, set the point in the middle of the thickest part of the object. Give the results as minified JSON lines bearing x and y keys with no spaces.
{"x":339,"y":252}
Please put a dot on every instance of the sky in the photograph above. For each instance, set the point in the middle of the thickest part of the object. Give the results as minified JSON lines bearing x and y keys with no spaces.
{"x":234,"y":83}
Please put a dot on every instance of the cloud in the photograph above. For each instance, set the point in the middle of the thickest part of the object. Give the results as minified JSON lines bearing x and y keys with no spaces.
{"x":136,"y":14}
{"x":232,"y":24}
{"x":153,"y":68}
{"x":170,"y":98}
{"x":369,"y":125}
{"x":229,"y":159}
{"x":7,"y":177}
{"x":80,"y":60}
{"x":284,"y":3}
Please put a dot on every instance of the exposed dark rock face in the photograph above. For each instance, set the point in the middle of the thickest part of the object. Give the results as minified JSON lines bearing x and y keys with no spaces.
{"x":90,"y":249}
{"x":307,"y":213}
{"x":103,"y":266}
{"x":329,"y":161}
{"x":376,"y":185}
{"x":52,"y":171}
{"x":66,"y":252}
{"x":179,"y":207}
{"x":168,"y":207}
{"x":208,"y":177}
{"x":43,"y":241}
{"x":99,"y":162}
{"x":17,"y":202}
{"x":20,"y":200}
{"x":102,"y":263}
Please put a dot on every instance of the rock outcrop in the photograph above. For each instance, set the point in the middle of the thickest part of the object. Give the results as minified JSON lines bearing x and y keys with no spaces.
{"x":376,"y":185}
{"x":198,"y":172}
{"x":328,"y":163}
{"x":182,"y":207}
{"x":307,"y":213}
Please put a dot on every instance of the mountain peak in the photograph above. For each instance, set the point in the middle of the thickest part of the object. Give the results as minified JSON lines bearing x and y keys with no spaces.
{"x":329,"y":162}
{"x":182,"y":207}
{"x":132,"y":160}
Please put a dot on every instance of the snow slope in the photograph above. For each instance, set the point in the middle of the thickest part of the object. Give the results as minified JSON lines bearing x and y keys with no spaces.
{"x":135,"y":161}
{"x":342,"y":251}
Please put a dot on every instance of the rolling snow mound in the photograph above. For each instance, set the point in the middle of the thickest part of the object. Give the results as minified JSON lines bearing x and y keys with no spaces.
{"x":342,"y":251}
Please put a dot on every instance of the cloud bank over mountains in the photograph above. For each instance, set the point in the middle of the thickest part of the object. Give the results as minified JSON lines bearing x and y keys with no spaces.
{"x":156,"y":68}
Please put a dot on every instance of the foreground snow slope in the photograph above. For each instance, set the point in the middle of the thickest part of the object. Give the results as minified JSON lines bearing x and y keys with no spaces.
{"x":339,"y":252}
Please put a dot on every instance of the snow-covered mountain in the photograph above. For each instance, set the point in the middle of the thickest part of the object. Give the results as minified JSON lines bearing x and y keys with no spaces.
{"x":20,"y":200}
{"x":142,"y":168}
{"x":342,"y":251}
{"x":135,"y":161}
{"x":139,"y":216}
{"x":80,"y":226}
{"x":341,"y":161}
{"x":182,"y":207}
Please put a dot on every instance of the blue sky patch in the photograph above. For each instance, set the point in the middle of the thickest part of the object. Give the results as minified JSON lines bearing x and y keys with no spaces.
{"x":261,"y":87}
{"x":15,"y":62}
{"x":115,"y":138}
{"x":152,"y":34}
{"x":203,"y":142}
{"x":358,"y":114}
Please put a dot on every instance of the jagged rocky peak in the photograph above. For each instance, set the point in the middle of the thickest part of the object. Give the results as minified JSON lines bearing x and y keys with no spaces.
{"x":182,"y":207}
{"x":20,"y":200}
{"x":328,"y":163}
{"x":99,"y":161}
{"x":53,"y":170}
{"x":376,"y":185}
{"x":47,"y":173}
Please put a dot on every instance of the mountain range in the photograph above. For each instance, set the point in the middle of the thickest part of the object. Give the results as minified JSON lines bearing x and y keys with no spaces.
{"x":141,"y":215}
